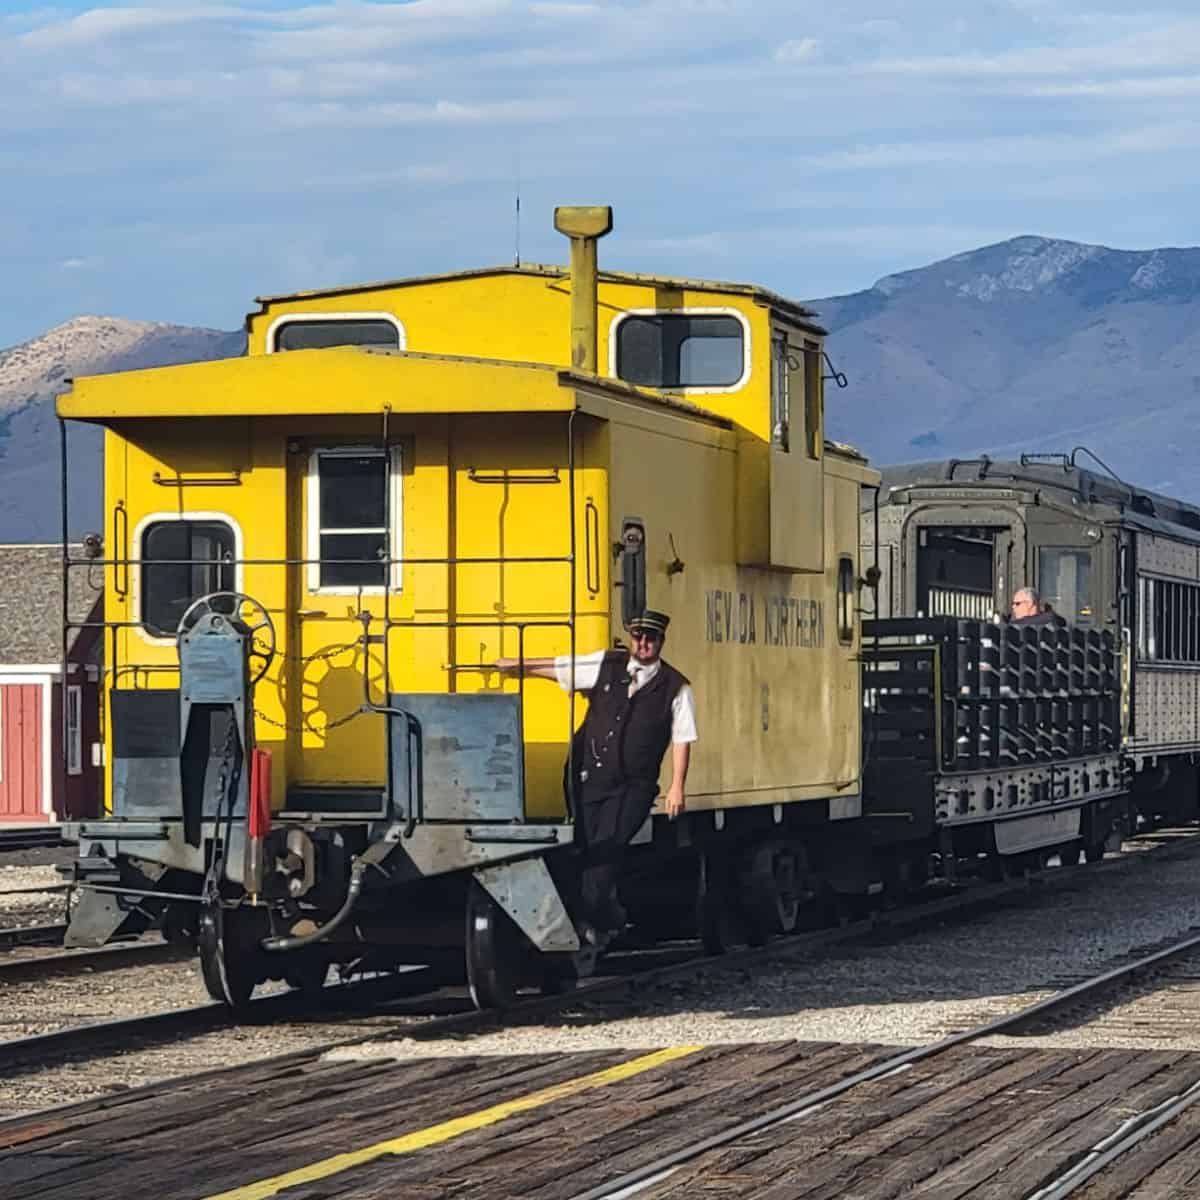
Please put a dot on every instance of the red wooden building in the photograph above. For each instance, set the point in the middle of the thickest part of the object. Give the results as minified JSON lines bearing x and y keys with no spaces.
{"x":49,"y":737}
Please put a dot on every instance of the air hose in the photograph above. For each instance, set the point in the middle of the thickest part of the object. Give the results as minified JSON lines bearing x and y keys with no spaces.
{"x":276,"y":944}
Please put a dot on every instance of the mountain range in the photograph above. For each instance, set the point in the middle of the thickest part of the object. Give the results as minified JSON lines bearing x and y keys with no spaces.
{"x":1031,"y":344}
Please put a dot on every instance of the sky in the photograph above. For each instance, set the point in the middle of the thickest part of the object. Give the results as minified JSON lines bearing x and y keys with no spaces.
{"x":171,"y":160}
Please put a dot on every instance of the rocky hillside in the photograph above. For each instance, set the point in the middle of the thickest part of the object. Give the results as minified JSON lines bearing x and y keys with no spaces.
{"x":1031,"y":344}
{"x":32,"y":374}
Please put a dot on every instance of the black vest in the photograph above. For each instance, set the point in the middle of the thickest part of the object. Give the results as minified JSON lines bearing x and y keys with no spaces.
{"x":624,"y":737}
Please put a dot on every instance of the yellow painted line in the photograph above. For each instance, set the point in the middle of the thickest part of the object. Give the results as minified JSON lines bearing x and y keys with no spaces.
{"x":444,"y":1132}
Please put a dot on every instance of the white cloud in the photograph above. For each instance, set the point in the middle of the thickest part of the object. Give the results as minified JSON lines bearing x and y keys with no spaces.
{"x":815,"y":147}
{"x":796,"y":50}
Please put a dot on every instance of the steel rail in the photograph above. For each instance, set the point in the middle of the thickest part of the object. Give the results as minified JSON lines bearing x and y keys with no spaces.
{"x":49,"y":889}
{"x":641,"y":1178}
{"x":113,"y":957}
{"x":29,"y":839}
{"x":1130,"y":1135}
{"x":32,"y":935}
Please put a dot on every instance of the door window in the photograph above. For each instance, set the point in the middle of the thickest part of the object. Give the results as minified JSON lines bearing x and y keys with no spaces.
{"x":352,"y":496}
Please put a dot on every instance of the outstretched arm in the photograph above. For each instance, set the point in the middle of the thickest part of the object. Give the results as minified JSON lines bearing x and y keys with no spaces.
{"x":539,"y":668}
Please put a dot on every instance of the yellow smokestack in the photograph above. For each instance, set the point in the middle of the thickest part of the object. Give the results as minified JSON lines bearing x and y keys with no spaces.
{"x":584,"y":226}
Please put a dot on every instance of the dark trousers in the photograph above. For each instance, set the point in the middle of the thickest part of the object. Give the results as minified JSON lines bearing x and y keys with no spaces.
{"x":609,"y":813}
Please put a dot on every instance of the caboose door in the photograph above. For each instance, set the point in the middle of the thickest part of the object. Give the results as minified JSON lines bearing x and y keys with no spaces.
{"x":346,"y":506}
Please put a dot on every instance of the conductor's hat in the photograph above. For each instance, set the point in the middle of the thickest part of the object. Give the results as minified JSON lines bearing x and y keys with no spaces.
{"x":650,"y":621}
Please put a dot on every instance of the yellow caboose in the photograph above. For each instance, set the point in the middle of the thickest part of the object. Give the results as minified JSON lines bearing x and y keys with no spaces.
{"x":315,"y":555}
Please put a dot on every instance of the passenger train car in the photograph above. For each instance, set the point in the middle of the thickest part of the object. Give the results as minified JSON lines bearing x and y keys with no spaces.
{"x":956,"y":538}
{"x":315,"y":554}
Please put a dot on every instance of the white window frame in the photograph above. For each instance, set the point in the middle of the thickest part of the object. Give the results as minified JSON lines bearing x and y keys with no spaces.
{"x":137,"y":584}
{"x":312,"y":539}
{"x":73,"y":731}
{"x":310,"y":318}
{"x":736,"y":386}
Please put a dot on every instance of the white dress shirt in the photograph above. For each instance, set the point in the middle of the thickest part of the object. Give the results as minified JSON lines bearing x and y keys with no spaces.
{"x":587,"y":671}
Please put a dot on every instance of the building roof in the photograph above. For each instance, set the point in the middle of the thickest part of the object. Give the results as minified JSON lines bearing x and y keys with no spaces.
{"x":763,"y":295}
{"x":31,"y":602}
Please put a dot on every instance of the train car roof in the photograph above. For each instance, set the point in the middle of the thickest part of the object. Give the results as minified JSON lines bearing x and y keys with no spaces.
{"x":1146,"y":509}
{"x":789,"y":308}
{"x":350,"y":379}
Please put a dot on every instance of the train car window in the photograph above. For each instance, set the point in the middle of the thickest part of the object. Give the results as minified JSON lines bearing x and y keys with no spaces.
{"x":309,"y":334}
{"x":348,"y":518}
{"x":182,"y":561}
{"x":675,"y":350}
{"x":1065,"y":581}
{"x":845,"y":585}
{"x":1168,"y":625}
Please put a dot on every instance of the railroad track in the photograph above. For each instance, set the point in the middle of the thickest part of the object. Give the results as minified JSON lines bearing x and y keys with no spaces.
{"x":29,"y":839}
{"x":113,"y":957}
{"x":431,"y":1011}
{"x":32,"y":935}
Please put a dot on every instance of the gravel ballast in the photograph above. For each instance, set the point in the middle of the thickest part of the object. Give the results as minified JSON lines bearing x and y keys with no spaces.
{"x":914,"y":988}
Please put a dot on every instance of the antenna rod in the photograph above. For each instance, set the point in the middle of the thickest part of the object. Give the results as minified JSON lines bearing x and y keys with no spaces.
{"x":517,"y":215}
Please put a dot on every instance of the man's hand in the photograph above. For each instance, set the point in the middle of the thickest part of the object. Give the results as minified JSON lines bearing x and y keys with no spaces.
{"x":506,"y":664}
{"x":675,"y":801}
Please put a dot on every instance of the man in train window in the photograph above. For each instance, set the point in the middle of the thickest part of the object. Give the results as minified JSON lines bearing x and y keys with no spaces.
{"x":1027,"y":609}
{"x":638,"y":705}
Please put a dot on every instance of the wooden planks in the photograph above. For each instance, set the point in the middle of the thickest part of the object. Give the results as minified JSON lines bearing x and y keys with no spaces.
{"x":976,"y":1123}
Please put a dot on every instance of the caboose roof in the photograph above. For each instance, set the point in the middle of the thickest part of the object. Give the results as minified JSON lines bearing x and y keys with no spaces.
{"x":347,"y":380}
{"x":782,"y":304}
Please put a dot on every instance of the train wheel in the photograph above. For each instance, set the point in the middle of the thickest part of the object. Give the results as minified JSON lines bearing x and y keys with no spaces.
{"x":229,"y":953}
{"x":716,"y":916}
{"x":769,"y":893}
{"x":494,"y":951}
{"x":1069,"y":855}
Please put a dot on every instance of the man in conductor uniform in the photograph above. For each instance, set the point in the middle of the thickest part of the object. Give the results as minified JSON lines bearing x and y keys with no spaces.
{"x":638,"y":705}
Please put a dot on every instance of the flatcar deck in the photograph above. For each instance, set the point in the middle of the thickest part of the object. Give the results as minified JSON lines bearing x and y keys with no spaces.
{"x":979,"y":1121}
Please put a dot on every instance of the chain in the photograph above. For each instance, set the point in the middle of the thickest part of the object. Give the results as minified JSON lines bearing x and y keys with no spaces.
{"x":264,"y":650}
{"x":305,"y":660}
{"x":212,"y":879}
{"x":227,"y":752}
{"x":330,"y":725}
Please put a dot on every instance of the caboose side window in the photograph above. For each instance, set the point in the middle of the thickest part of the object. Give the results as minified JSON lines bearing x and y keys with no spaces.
{"x":353,"y":493}
{"x":325,"y":332}
{"x":680,"y":350}
{"x":182,"y":561}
